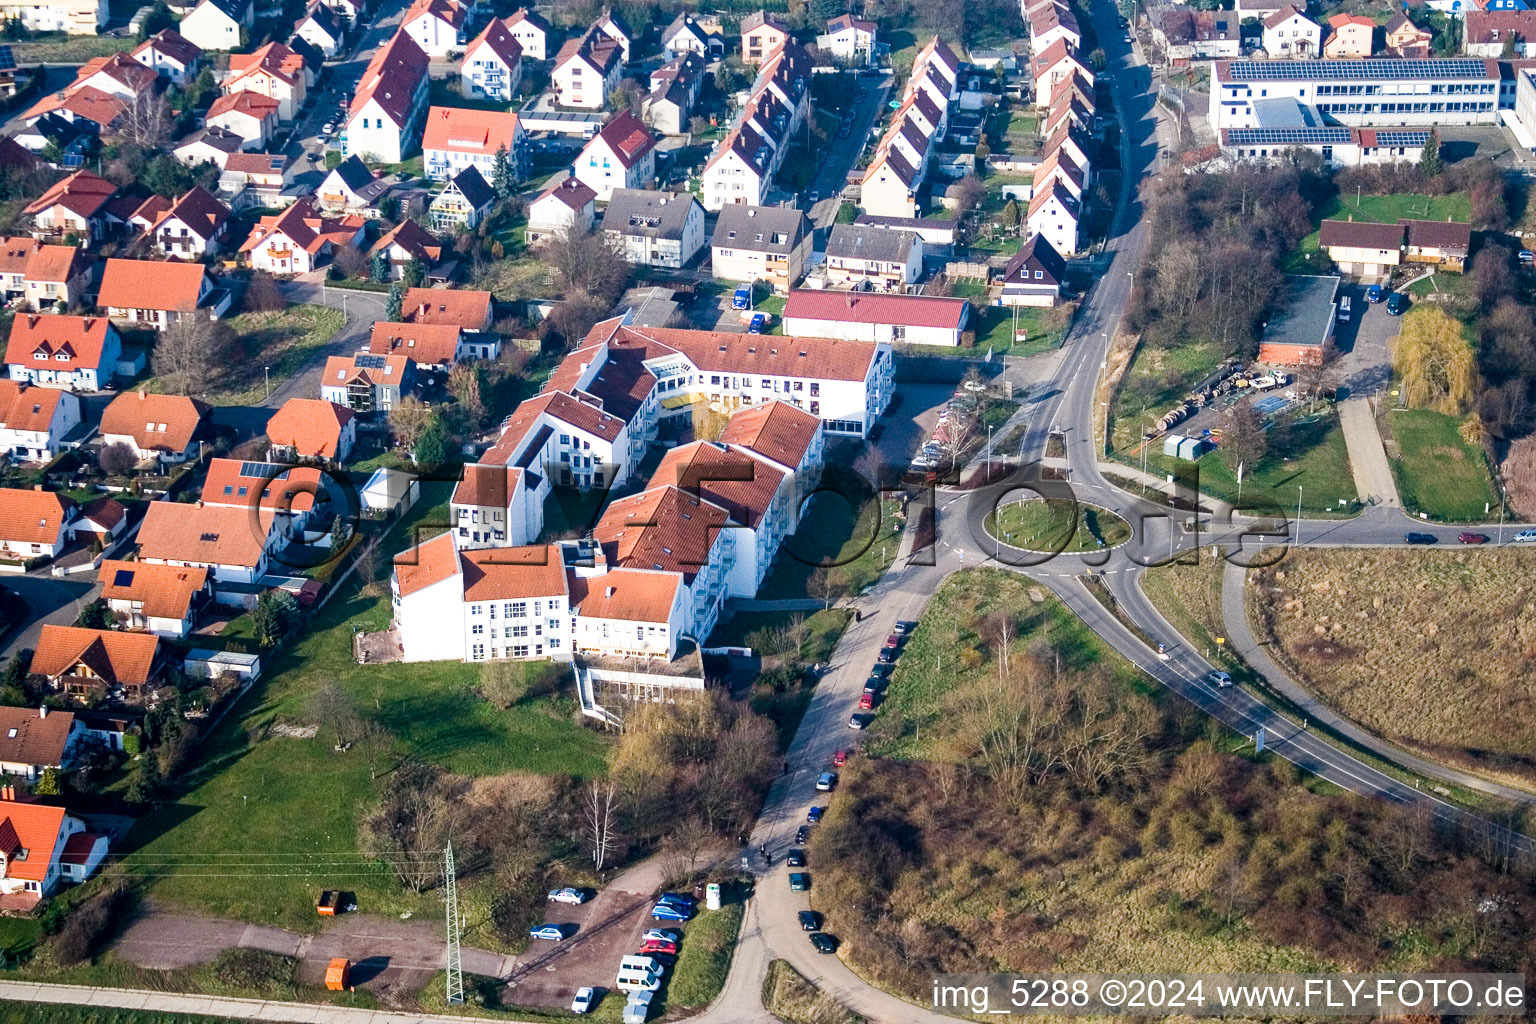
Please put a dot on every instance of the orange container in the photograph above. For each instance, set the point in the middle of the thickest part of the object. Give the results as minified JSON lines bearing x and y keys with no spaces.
{"x":336,"y":974}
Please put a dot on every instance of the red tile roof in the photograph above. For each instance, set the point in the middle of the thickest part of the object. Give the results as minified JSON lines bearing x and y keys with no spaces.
{"x":121,"y":68}
{"x":143,"y":284}
{"x":36,"y":338}
{"x":32,"y":517}
{"x":573,"y":192}
{"x":662,"y":528}
{"x":503,"y":574}
{"x":429,"y":562}
{"x":24,"y":407}
{"x":560,"y":406}
{"x":874,"y":308}
{"x":304,"y":226}
{"x":462,"y":307}
{"x":104,"y":512}
{"x":435,"y":344}
{"x":78,"y":848}
{"x":244,"y":101}
{"x":27,"y":736}
{"x":165,"y":423}
{"x":274,"y":58}
{"x":756,"y":354}
{"x":777,"y":431}
{"x":498,"y":36}
{"x":173,"y":44}
{"x":199,"y":211}
{"x":83,"y":101}
{"x":175,"y":531}
{"x":311,"y":426}
{"x":341,"y":369}
{"x":165,"y":591}
{"x":55,"y":263}
{"x":269,"y":486}
{"x":628,"y":137}
{"x":630,"y":595}
{"x":391,"y":78}
{"x":734,"y":480}
{"x":414,"y":239}
{"x":460,"y":130}
{"x":82,"y":194}
{"x":31,"y":827}
{"x":486,"y":485}
{"x":127,"y":659}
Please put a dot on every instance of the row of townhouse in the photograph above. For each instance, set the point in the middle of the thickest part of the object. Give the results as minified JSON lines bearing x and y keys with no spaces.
{"x":656,"y":569}
{"x":1064,"y":90}
{"x":741,"y":169}
{"x":387,"y":108}
{"x":897,"y":170}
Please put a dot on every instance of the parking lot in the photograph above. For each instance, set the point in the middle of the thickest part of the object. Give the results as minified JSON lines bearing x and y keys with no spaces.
{"x":607,"y":927}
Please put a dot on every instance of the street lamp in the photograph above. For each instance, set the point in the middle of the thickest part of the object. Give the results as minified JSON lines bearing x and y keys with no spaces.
{"x":1298,"y":514}
{"x":267,"y":378}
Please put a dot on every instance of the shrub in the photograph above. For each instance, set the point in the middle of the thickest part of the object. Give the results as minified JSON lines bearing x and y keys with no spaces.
{"x":87,"y":929}
{"x":255,"y":971}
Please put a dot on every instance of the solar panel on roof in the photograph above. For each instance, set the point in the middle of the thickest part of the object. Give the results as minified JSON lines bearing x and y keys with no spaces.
{"x":1288,"y":136}
{"x":369,"y":362}
{"x":256,"y":469}
{"x":1307,"y":70}
{"x":7,"y":59}
{"x":123,"y":577}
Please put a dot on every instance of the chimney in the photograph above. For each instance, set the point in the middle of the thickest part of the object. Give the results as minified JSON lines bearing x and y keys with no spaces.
{"x":610,"y":591}
{"x":42,"y":711}
{"x":32,"y":321}
{"x":7,"y":792}
{"x":199,"y":502}
{"x":141,"y":394}
{"x":37,"y":487}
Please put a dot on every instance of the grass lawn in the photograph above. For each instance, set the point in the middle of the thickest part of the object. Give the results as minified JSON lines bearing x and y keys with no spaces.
{"x":822,"y":631}
{"x":789,"y":997}
{"x":284,"y":341}
{"x":1189,"y":596}
{"x":1419,"y":646}
{"x":849,"y":529}
{"x":1437,"y":470}
{"x":1055,"y":524}
{"x":1456,"y":206}
{"x":570,"y":511}
{"x":57,"y":48}
{"x":444,"y":93}
{"x":1310,"y":454}
{"x":935,"y":660}
{"x":303,"y":799}
{"x":523,"y":277}
{"x":999,"y":327}
{"x":1156,"y":379}
{"x":42,"y":1013}
{"x":704,"y":955}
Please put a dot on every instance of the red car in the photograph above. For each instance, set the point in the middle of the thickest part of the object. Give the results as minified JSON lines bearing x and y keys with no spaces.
{"x":1473,"y":538}
{"x":894,"y":640}
{"x":839,"y":759}
{"x":866,"y":701}
{"x":658,"y":946}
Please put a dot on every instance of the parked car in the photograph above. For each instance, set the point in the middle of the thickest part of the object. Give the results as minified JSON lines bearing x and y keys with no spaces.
{"x":1344,"y":309}
{"x":904,"y":627}
{"x":823,"y":943}
{"x":839,"y":759}
{"x":795,"y":858}
{"x":826,"y":782}
{"x":802,"y":834}
{"x":1373,"y":293}
{"x":813,"y":196}
{"x":681,"y":898}
{"x":887,"y":656}
{"x":1420,"y":538}
{"x":799,"y":881}
{"x":1526,"y":256}
{"x":894,"y":640}
{"x":1525,"y":537}
{"x":866,"y":701}
{"x":758,"y":325}
{"x":671,"y":912}
{"x":575,"y":897}
{"x":813,"y":815}
{"x":583,"y":1001}
{"x":550,"y":932}
{"x":1397,"y":304}
{"x":810,"y":921}
{"x":743,"y":298}
{"x":859,"y":720}
{"x":650,"y":946}
{"x":665,"y":934}
{"x":881,"y":670}
{"x":1473,"y":538}
{"x":1219,"y":679}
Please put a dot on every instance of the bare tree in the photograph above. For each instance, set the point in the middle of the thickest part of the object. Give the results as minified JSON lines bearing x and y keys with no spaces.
{"x":146,"y":120}
{"x":334,"y":710}
{"x":600,"y":820}
{"x":117,"y":459}
{"x":262,"y":295}
{"x":583,"y":261}
{"x":351,"y":261}
{"x":408,"y":419}
{"x":413,"y":821}
{"x":1245,"y":440}
{"x":824,"y":585}
{"x":191,"y":353}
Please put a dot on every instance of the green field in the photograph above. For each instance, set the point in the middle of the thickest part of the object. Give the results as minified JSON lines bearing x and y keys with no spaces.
{"x":704,"y":956}
{"x":1055,"y":524}
{"x":42,"y":1013}
{"x":57,"y":48}
{"x":1438,"y":472}
{"x":303,"y":799}
{"x":282,"y":342}
{"x":849,"y":530}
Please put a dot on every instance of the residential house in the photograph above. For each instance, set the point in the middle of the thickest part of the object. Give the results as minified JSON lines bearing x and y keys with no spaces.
{"x":295,"y":497}
{"x":195,"y":226}
{"x":321,"y":28}
{"x":687,"y":34}
{"x":73,"y":208}
{"x":565,"y":208}
{"x":896,"y":172}
{"x":437,"y":26}
{"x":621,"y":155}
{"x":761,"y":243}
{"x":786,"y":437}
{"x":247,"y":114}
{"x":347,"y":10}
{"x":465,"y":201}
{"x":234,"y":544}
{"x":44,"y":847}
{"x":34,"y":421}
{"x":457,"y":138}
{"x":587,"y":69}
{"x":351,"y":187}
{"x":1049,"y":21}
{"x":275,"y":71}
{"x":73,"y":121}
{"x":311,"y":429}
{"x":1057,"y":62}
{"x":1186,"y":35}
{"x":612,"y":24}
{"x":163,"y":427}
{"x":1361,"y":247}
{"x":466,"y":308}
{"x":654,"y":229}
{"x":1055,"y":213}
{"x":45,"y":277}
{"x":209,"y":146}
{"x":938,"y":235}
{"x":858,"y":255}
{"x":72,"y":17}
{"x":256,"y":179}
{"x":531,"y":32}
{"x":165,"y":600}
{"x":34,"y":524}
{"x":138,"y":213}
{"x":668,"y":107}
{"x":740,"y":170}
{"x":79,"y":353}
{"x":890,"y":185}
{"x":1290,"y":33}
{"x":872,"y":316}
{"x":300,"y":239}
{"x":681,"y":532}
{"x":172,"y":56}
{"x":1349,"y":36}
{"x":493,"y":63}
{"x":405,"y":243}
{"x":762,"y":34}
{"x":1494,"y":33}
{"x":388,"y":105}
{"x":1034,"y":275}
{"x":155,"y":294}
{"x":850,"y":39}
{"x":1407,"y":40}
{"x":104,"y":519}
{"x":118,"y":75}
{"x":1442,"y":243}
{"x":218,"y":24}
{"x":433,"y":346}
{"x":366,"y":382}
{"x":33,"y":740}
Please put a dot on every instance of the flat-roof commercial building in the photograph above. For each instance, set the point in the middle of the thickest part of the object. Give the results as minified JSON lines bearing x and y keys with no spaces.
{"x":1360,"y":93}
{"x":1302,"y":329}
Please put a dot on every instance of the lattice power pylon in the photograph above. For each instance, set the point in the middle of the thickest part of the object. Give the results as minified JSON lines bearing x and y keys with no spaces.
{"x":455,"y":960}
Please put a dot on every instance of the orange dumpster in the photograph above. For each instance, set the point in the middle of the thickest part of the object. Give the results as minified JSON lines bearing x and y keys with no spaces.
{"x":336,"y":974}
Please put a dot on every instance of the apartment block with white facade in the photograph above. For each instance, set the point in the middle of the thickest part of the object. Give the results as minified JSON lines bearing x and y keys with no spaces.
{"x":1357,"y":93}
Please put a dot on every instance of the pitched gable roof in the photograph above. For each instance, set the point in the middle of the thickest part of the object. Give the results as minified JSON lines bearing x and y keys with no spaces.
{"x":423,"y":342}
{"x":628,"y":137}
{"x":122,"y":69}
{"x":167,"y":423}
{"x":125,"y":659}
{"x":175,"y":531}
{"x":32,"y":517}
{"x":628,"y":595}
{"x":311,"y":426}
{"x":463,"y":307}
{"x":391,"y":78}
{"x":84,"y":102}
{"x":36,"y":338}
{"x":143,"y":284}
{"x":199,"y":211}
{"x":414,"y":239}
{"x":431,"y":561}
{"x":498,"y":38}
{"x":164,"y":591}
{"x":32,"y":827}
{"x":29,"y":736}
{"x":573,"y":192}
{"x":662,"y":528}
{"x":776,"y":430}
{"x":25,"y":407}
{"x":82,"y":194}
{"x":173,"y":44}
{"x":733,"y":480}
{"x":244,"y":101}
{"x":471,"y":184}
{"x":1036,"y":254}
{"x":304,"y":226}
{"x":1360,"y":234}
{"x":462,"y":130}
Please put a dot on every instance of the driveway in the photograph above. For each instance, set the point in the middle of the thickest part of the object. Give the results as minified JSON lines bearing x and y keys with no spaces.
{"x":1363,"y":370}
{"x":50,"y":601}
{"x":843,"y":153}
{"x":607,"y":928}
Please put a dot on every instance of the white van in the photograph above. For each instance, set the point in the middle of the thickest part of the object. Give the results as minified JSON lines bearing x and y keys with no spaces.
{"x":638,"y":1007}
{"x":639,"y":974}
{"x":1526,"y":537}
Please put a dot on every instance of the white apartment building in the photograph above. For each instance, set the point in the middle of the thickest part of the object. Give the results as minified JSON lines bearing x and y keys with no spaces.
{"x":1357,"y":93}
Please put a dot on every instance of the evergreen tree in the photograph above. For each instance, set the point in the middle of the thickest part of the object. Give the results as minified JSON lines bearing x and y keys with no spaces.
{"x":1430,"y":163}
{"x":338,"y":534}
{"x":414,"y":273}
{"x":502,"y":176}
{"x":48,"y":783}
{"x":146,"y":781}
{"x":378,"y":268}
{"x":432,"y":446}
{"x":392,"y":306}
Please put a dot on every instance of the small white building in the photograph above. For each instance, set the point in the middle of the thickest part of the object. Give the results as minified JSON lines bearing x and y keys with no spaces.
{"x":565,"y":208}
{"x":531,"y":32}
{"x":437,"y":26}
{"x":493,"y":63}
{"x":850,"y":39}
{"x":34,"y":421}
{"x":654,"y":229}
{"x":621,"y":155}
{"x":870,"y":316}
{"x":1290,"y":33}
{"x":858,"y":255}
{"x":218,"y":24}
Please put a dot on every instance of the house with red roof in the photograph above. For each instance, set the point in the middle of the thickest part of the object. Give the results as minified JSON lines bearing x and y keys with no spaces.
{"x":493,"y":63}
{"x":248,"y":114}
{"x":367,"y":382}
{"x":161,"y":599}
{"x":195,"y":226}
{"x":157,"y":294}
{"x":88,"y":663}
{"x":875,"y":316}
{"x":41,"y":848}
{"x":104,"y":518}
{"x":565,"y":208}
{"x":762,"y":35}
{"x":300,"y":238}
{"x":116,"y":74}
{"x":78,"y":353}
{"x":404,"y":243}
{"x":456,"y":138}
{"x":438,"y":346}
{"x":621,"y":155}
{"x":312,"y":429}
{"x":235,"y":545}
{"x":437,"y":26}
{"x":274,"y":71}
{"x":756,"y":496}
{"x":73,"y":208}
{"x":388,"y":105}
{"x":163,"y":427}
{"x":34,"y":421}
{"x":531,"y":31}
{"x":1353,"y":35}
{"x":587,"y":69}
{"x":850,"y":39}
{"x":35,"y":524}
{"x":787,"y":438}
{"x":170,"y":55}
{"x":46,"y":276}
